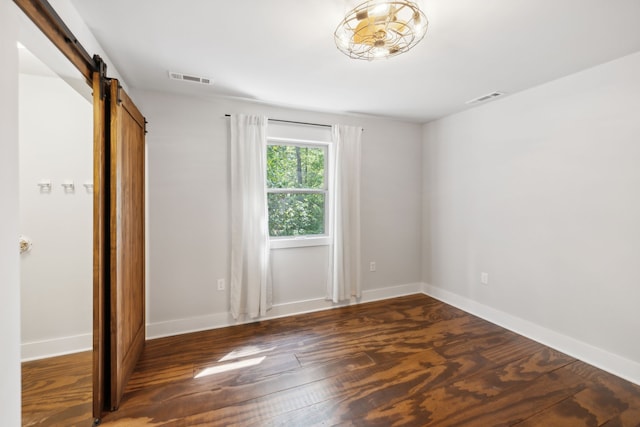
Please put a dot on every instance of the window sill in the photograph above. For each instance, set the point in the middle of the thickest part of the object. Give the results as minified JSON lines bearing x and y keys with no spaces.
{"x":299,"y":242}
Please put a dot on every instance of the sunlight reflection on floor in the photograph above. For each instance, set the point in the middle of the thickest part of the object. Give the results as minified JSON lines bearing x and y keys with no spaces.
{"x":236,"y":354}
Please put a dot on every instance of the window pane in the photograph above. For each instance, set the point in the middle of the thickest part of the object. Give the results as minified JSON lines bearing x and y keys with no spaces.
{"x":295,"y":167}
{"x":298,"y":214}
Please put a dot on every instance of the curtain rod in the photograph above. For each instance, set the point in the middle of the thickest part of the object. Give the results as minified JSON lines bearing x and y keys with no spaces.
{"x":296,"y":123}
{"x":293,"y":122}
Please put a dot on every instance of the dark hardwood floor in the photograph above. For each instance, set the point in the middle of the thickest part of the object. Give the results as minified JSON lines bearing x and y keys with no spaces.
{"x":57,"y":391}
{"x":410,"y":361}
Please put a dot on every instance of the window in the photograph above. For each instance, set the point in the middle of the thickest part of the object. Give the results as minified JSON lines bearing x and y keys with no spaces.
{"x":297,"y":194}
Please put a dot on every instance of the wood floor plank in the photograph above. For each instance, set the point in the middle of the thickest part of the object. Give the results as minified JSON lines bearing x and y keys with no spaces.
{"x":518,"y":404}
{"x":517,"y":348}
{"x":518,"y":372}
{"x":409,"y":361}
{"x":438,"y":404}
{"x":214,"y":393}
{"x":356,"y":394}
{"x":590,"y":407}
{"x":628,"y":418}
{"x":57,"y":391}
{"x":625,"y":390}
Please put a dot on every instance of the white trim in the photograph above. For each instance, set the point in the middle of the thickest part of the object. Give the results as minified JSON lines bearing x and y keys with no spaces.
{"x":56,"y":347}
{"x":221,"y":320}
{"x":191,"y":324}
{"x":298,"y":242}
{"x":610,"y":362}
{"x":388,"y":292}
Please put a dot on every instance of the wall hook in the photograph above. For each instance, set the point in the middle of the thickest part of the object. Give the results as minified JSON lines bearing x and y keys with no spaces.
{"x":69,"y":186}
{"x":45,"y":185}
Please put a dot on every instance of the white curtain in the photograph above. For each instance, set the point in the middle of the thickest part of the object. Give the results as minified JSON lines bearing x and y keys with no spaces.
{"x":250,"y":285}
{"x":344,"y":257}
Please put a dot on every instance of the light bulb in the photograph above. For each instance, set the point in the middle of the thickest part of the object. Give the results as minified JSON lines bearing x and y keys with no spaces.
{"x":418,"y":27}
{"x":380,"y":9}
{"x":343,"y":39}
{"x":380,"y":52}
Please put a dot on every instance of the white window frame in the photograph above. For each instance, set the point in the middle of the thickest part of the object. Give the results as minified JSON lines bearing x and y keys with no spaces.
{"x":283,"y":242}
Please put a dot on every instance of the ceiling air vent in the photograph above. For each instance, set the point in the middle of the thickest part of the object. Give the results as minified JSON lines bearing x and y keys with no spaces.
{"x":189,"y":78}
{"x":484,"y":98}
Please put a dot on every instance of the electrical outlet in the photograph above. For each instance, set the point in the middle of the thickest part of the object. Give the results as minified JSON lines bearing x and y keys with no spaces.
{"x":372,"y":266}
{"x":484,"y":278}
{"x":221,"y":284}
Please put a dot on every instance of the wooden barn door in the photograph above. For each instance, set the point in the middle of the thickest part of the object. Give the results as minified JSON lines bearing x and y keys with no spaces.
{"x":127,"y":223}
{"x":119,"y":242}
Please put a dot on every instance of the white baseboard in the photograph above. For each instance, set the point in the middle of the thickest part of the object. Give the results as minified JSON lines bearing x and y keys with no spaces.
{"x":73,"y":344}
{"x":610,"y":362}
{"x":391,"y":292}
{"x":613,"y":363}
{"x":184,"y":326}
{"x":56,"y":347}
{"x":221,"y":320}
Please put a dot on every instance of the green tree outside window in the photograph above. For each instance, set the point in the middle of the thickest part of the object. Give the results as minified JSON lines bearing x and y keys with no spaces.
{"x":296,"y":190}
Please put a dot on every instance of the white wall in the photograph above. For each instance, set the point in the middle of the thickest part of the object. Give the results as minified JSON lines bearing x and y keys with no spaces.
{"x":189,"y":213}
{"x":9,"y":261}
{"x":541,"y":190}
{"x":56,"y":275}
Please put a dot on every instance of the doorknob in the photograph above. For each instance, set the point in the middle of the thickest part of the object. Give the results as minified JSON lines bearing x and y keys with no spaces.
{"x":25,"y":244}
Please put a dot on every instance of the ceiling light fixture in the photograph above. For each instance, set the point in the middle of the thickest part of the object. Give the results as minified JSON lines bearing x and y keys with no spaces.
{"x":379,"y":29}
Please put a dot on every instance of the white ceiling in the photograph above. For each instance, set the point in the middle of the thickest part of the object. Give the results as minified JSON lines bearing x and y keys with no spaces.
{"x":282,"y":51}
